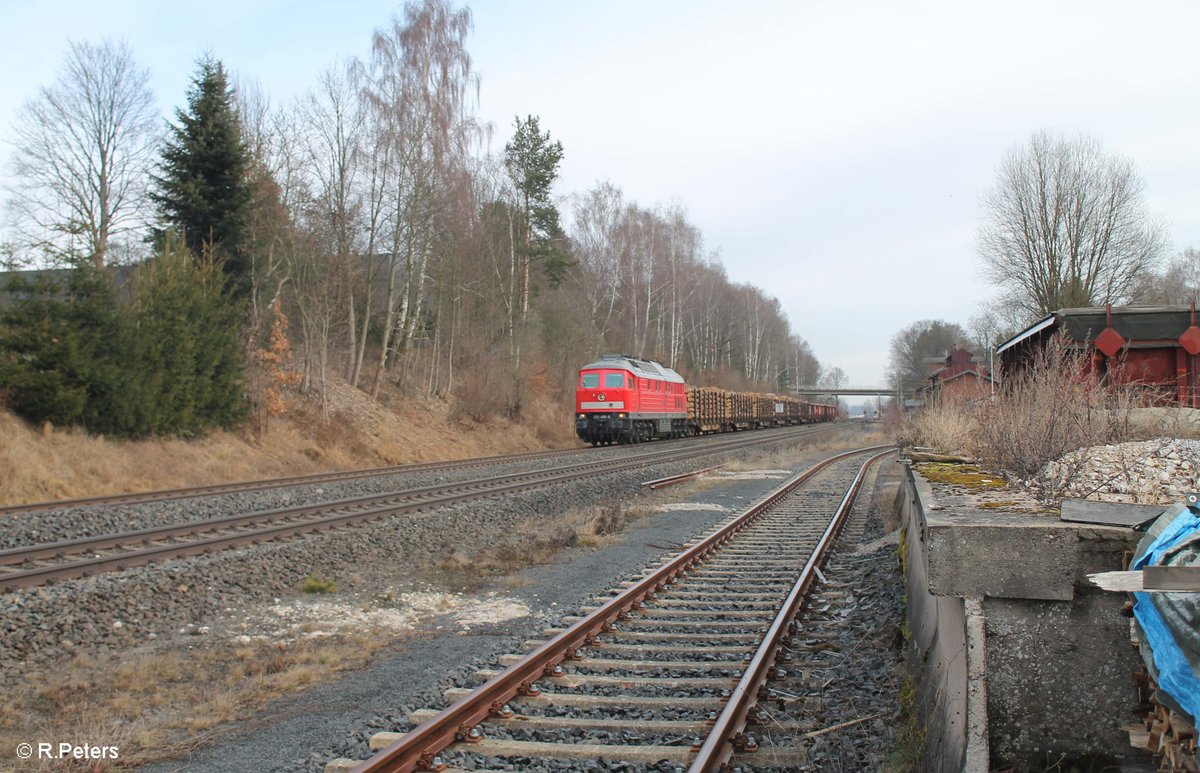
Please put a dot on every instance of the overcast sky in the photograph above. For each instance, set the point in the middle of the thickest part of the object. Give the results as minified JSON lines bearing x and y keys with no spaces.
{"x":833,"y":153}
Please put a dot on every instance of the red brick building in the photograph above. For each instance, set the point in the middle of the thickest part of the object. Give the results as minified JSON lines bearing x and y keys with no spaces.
{"x":957,"y":377}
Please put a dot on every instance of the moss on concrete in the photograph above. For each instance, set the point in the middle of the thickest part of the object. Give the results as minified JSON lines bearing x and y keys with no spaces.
{"x":961,"y":475}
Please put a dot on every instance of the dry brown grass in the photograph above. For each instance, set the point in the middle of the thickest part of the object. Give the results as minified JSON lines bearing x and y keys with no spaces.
{"x":1046,"y":411}
{"x":154,"y":705}
{"x":950,"y":428}
{"x":51,"y":463}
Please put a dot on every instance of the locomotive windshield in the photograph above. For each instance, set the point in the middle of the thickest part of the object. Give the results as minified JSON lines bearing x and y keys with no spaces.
{"x":590,"y":380}
{"x":614,"y":380}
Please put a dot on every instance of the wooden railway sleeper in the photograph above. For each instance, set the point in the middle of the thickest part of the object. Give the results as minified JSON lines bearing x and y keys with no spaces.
{"x":741,"y":741}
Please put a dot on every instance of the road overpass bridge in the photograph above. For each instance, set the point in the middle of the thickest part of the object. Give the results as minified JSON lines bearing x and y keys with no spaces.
{"x":845,"y":390}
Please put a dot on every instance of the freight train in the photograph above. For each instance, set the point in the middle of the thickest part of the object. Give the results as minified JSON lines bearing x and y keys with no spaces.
{"x":623,"y":399}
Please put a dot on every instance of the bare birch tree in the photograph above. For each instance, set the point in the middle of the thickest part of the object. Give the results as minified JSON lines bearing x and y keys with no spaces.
{"x":334,"y":124}
{"x":84,"y":147}
{"x":1065,"y":226}
{"x":684,"y":246}
{"x":1178,"y":284}
{"x":596,"y":244}
{"x":277,"y":186}
{"x":421,"y":86}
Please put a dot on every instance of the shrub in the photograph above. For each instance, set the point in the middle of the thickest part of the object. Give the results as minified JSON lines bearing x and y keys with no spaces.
{"x":315,"y":583}
{"x":949,"y":427}
{"x":64,"y":351}
{"x":189,"y":354}
{"x":1053,"y":406}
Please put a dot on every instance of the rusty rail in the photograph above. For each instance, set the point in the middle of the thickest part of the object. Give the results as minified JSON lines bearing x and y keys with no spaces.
{"x":417,"y":749}
{"x":671,"y":480}
{"x":728,"y":734}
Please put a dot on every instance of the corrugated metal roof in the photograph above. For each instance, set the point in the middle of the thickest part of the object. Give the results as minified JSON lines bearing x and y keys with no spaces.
{"x":1032,"y":330}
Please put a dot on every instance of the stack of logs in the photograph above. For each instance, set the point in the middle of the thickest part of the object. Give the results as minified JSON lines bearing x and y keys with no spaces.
{"x":1162,"y":731}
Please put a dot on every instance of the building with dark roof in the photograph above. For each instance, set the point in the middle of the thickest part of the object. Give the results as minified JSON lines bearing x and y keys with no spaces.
{"x":1154,"y":348}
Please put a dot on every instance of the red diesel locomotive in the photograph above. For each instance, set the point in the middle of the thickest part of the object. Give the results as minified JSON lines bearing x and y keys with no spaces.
{"x":623,"y":399}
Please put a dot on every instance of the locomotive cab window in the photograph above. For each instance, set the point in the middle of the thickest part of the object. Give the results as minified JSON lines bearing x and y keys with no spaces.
{"x":590,"y":380}
{"x":614,"y":380}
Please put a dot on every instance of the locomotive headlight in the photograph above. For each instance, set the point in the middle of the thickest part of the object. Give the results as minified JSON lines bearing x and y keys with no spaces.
{"x":620,"y":415}
{"x":582,"y":416}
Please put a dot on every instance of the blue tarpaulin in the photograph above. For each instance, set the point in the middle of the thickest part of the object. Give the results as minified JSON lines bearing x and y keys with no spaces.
{"x":1170,"y":622}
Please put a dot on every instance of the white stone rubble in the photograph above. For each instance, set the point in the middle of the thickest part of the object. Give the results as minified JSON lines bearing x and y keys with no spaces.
{"x":1148,"y":472}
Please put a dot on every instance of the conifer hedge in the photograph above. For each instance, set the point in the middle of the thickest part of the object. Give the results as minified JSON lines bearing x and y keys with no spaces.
{"x":161,"y":359}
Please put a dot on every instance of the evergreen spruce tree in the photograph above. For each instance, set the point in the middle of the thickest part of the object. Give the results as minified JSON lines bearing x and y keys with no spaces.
{"x":203,"y":188}
{"x":36,"y":354}
{"x":72,"y":352}
{"x":187,"y":345}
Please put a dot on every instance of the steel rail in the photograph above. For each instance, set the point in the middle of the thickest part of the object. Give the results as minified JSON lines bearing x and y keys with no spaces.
{"x":167,"y":531}
{"x":728,"y":734}
{"x":417,"y":749}
{"x":162,"y":495}
{"x":671,"y":480}
{"x":351,"y":511}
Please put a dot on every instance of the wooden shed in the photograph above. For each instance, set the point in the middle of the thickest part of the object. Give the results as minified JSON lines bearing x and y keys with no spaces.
{"x":1155,"y":348}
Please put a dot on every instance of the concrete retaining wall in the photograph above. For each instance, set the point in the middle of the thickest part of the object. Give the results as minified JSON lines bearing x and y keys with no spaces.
{"x":1019,"y":661}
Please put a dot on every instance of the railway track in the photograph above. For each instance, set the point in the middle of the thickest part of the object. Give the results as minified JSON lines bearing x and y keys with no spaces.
{"x":165,"y":495}
{"x":33,"y":565}
{"x":664,"y":675}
